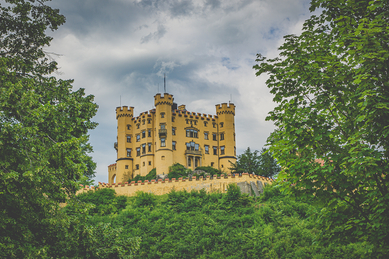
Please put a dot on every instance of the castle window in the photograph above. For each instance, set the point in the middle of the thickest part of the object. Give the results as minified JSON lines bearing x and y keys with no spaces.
{"x":187,"y":121}
{"x":128,"y":139}
{"x":144,"y":163}
{"x":137,"y":138}
{"x":212,"y":163}
{"x":138,"y":151}
{"x":222,"y":150}
{"x":214,"y":136}
{"x":206,"y":148}
{"x":234,"y":151}
{"x":143,"y":148}
{"x":205,"y":123}
{"x":148,"y":121}
{"x":143,"y":133}
{"x":192,"y":146}
{"x":162,"y":157}
{"x":162,"y":115}
{"x":137,"y":126}
{"x":149,"y":162}
{"x":191,"y":133}
{"x":136,"y":167}
{"x":221,"y":136}
{"x":149,"y":147}
{"x":128,"y":126}
{"x":215,"y":150}
{"x":126,"y":167}
{"x":163,"y":143}
{"x":189,"y":162}
{"x":128,"y":152}
{"x":173,"y":131}
{"x":143,"y":122}
{"x":234,"y":136}
{"x":162,"y":126}
{"x":174,"y":145}
{"x":214,"y":125}
{"x":221,"y":124}
{"x":173,"y":118}
{"x":149,"y":133}
{"x":206,"y":135}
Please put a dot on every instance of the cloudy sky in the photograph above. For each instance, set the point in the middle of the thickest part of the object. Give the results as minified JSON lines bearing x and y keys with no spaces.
{"x":118,"y":50}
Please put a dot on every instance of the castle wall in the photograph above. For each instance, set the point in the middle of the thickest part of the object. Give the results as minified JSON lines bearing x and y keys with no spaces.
{"x":165,"y":186}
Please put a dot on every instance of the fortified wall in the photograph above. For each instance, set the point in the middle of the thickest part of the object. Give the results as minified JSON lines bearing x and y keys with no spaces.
{"x":248,"y":183}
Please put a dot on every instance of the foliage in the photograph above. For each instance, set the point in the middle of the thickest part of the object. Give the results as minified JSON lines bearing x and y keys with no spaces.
{"x":250,"y":162}
{"x":195,"y":224}
{"x":150,"y":176}
{"x":209,"y":170}
{"x":105,"y":201}
{"x":268,"y":165}
{"x":76,"y":238}
{"x":331,"y":85}
{"x":43,"y":129}
{"x":177,"y":170}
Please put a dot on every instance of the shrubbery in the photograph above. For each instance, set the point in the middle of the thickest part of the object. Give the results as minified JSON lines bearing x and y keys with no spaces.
{"x":197,"y":224}
{"x":150,"y":176}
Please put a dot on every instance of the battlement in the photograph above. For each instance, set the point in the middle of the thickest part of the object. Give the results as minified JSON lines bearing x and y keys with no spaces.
{"x":160,"y":187}
{"x":196,"y":115}
{"x":165,"y":99}
{"x":124,"y":111}
{"x":225,"y":108}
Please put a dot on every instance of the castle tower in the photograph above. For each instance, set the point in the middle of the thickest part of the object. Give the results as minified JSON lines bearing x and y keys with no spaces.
{"x":226,"y":135}
{"x":124,"y":162}
{"x":163,"y":130}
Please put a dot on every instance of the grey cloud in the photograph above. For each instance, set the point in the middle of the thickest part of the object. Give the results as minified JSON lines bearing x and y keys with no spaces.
{"x":123,"y":48}
{"x":181,"y":8}
{"x":161,"y":31}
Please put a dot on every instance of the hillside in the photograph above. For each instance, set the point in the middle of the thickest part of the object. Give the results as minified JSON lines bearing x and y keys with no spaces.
{"x":231,"y":225}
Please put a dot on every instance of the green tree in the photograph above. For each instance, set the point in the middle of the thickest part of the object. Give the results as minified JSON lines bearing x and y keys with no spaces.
{"x":43,"y":129}
{"x":248,"y":162}
{"x":268,"y":165}
{"x":331,"y":85}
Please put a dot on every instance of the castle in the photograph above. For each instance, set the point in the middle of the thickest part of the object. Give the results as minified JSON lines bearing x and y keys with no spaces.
{"x":170,"y":134}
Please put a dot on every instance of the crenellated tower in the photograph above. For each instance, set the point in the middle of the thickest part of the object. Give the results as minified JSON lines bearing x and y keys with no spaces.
{"x":226,"y":135}
{"x":123,"y":146}
{"x":163,"y":125}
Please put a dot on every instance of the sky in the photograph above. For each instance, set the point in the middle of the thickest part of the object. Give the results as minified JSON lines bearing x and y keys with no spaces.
{"x":119,"y":50}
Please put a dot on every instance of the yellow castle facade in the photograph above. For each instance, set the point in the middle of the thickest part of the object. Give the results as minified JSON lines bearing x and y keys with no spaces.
{"x":170,"y":134}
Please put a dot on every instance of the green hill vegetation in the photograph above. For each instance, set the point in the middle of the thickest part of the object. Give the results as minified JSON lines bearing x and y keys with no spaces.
{"x":231,"y":225}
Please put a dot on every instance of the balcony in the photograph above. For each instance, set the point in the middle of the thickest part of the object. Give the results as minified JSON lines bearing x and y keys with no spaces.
{"x":162,"y":133}
{"x":193,"y":152}
{"x":115,"y":145}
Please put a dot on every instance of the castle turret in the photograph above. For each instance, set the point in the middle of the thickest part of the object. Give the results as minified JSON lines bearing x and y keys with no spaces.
{"x":123,"y":146}
{"x":226,"y":135}
{"x":163,"y":125}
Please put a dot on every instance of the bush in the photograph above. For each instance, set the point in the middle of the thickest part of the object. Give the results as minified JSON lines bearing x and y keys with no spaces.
{"x":177,"y":170}
{"x":209,"y":170}
{"x":150,"y":176}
